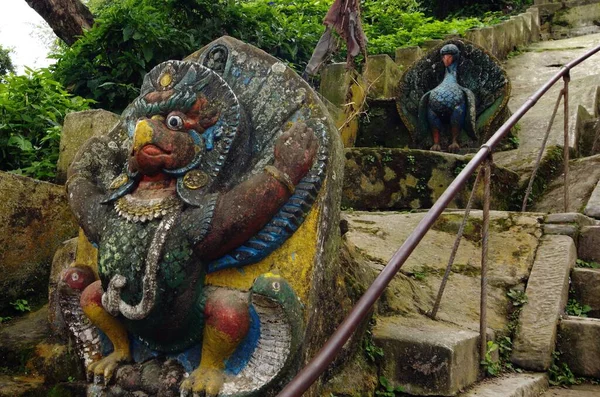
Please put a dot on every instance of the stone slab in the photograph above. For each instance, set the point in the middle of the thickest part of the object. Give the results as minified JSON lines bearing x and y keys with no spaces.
{"x":570,"y":217}
{"x":588,"y":248}
{"x":566,"y":230}
{"x":584,"y":174}
{"x":585,"y":390}
{"x":428,"y":358}
{"x":405,"y":56}
{"x":585,"y":284}
{"x":34,"y":220}
{"x":514,"y":238}
{"x":399,"y":179}
{"x":512,"y":385}
{"x":547,"y":291}
{"x":592,"y":208}
{"x":381,"y":75}
{"x":19,"y":337}
{"x":77,"y":128}
{"x":579,"y":347}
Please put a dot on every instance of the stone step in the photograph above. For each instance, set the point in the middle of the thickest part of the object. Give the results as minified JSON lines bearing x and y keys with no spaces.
{"x":578,"y":344}
{"x":584,"y":390}
{"x":427,"y":358}
{"x":513,"y":385}
{"x":547,"y":291}
{"x":585,"y":284}
{"x":28,"y":346}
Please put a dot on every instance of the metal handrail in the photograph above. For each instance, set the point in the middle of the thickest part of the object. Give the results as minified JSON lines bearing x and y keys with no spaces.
{"x":311,"y":372}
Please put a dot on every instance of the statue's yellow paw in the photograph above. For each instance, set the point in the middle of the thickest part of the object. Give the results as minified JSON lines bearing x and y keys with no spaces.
{"x":436,"y":148}
{"x":204,"y":382}
{"x":106,"y":366}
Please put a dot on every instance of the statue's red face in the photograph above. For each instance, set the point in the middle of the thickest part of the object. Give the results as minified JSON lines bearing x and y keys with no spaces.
{"x":157,"y":147}
{"x":447,"y":59}
{"x":164,"y":141}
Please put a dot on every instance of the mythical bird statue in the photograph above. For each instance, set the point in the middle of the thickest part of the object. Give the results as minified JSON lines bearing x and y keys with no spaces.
{"x":449,"y":98}
{"x":194,"y":182}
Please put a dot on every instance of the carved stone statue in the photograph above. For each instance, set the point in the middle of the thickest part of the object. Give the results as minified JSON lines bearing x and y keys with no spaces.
{"x":192,"y":202}
{"x":452,"y":96}
{"x":448,"y":104}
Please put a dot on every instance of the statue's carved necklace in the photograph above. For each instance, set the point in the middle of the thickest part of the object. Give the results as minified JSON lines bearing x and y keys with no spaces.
{"x":143,"y":209}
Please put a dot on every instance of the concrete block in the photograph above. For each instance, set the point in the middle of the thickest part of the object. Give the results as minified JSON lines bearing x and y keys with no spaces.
{"x":513,"y":385}
{"x":535,"y":23}
{"x":381,"y":75}
{"x":429,"y":44}
{"x":592,"y":208}
{"x":566,"y":230}
{"x":334,"y":86}
{"x":499,"y":47}
{"x":77,"y":128}
{"x":570,"y":217}
{"x":547,"y":291}
{"x":588,"y":248}
{"x":579,"y":347}
{"x":393,"y":179}
{"x":430,"y":359}
{"x":585,"y":132}
{"x":405,"y":56}
{"x":585,"y":284}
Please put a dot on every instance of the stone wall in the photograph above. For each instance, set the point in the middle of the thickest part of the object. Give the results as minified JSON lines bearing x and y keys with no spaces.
{"x":34,"y":221}
{"x":562,"y":19}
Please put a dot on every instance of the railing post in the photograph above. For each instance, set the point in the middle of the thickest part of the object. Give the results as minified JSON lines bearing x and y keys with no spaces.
{"x":484,"y":255}
{"x":566,"y":79}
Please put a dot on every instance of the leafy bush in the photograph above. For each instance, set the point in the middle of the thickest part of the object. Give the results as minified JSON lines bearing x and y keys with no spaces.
{"x":32,"y":109}
{"x":130,"y":37}
{"x":6,"y":65}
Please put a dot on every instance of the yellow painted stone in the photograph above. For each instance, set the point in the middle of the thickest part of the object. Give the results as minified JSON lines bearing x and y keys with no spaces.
{"x":166,"y":79}
{"x":293,"y":261}
{"x":87,"y":254}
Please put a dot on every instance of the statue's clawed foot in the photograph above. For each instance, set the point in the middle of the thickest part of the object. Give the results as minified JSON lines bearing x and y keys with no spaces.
{"x":454,"y":148}
{"x":203,"y":382}
{"x":436,"y":148}
{"x":104,"y":368}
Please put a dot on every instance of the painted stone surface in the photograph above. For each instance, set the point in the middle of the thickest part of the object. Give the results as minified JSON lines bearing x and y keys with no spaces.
{"x":449,"y":104}
{"x":213,"y":205}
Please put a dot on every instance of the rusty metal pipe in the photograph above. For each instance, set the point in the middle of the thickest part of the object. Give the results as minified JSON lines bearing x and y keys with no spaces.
{"x":311,"y":372}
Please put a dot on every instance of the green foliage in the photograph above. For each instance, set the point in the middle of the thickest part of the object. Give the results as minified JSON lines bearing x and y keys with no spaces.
{"x":560,"y":373}
{"x":4,"y":319}
{"x":585,"y":264}
{"x":130,"y":37}
{"x":442,"y":8}
{"x":386,"y":389}
{"x":21,"y":305}
{"x":6,"y":65}
{"x":491,"y":366}
{"x":32,"y":109}
{"x":575,"y":308}
{"x":374,"y":354}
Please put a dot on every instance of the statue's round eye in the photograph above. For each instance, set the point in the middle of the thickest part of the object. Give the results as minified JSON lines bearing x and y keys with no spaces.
{"x":174,"y":122}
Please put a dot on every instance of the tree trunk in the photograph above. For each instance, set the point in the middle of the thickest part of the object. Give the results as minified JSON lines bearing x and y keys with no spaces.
{"x":67,"y":18}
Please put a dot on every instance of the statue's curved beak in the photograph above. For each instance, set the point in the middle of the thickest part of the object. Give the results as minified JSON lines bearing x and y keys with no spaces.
{"x":142,"y":135}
